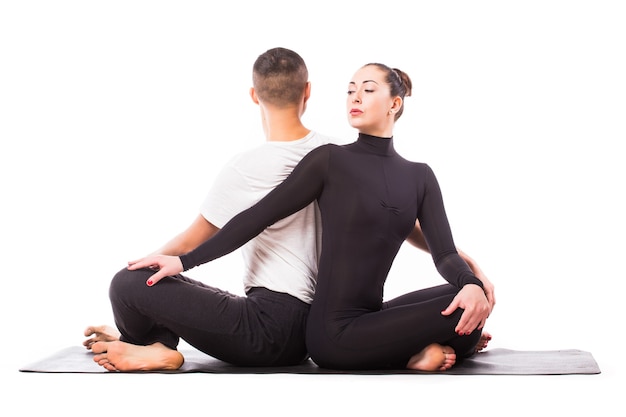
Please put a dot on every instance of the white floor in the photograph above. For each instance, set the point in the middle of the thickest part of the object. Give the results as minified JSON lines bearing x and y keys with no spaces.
{"x":309,"y":395}
{"x":288,"y":395}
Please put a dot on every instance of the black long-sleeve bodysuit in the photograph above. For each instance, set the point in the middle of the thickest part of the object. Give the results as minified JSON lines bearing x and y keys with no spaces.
{"x":369,"y":198}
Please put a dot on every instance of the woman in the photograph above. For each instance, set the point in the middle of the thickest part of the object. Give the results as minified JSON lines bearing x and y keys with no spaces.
{"x":369,"y":198}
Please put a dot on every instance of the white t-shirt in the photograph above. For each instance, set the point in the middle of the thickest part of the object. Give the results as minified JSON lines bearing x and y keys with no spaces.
{"x":284,"y":257}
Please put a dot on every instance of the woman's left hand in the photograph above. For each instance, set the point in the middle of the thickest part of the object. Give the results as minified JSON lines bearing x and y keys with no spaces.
{"x":473,"y":300}
{"x":164,"y":265}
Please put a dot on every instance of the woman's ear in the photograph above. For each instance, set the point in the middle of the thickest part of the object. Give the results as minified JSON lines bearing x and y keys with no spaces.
{"x":396,"y":104}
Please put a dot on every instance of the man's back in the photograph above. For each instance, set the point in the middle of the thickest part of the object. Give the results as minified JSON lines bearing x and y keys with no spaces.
{"x":284,"y":257}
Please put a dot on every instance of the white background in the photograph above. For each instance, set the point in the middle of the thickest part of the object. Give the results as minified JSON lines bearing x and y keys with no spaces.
{"x":115,"y":117}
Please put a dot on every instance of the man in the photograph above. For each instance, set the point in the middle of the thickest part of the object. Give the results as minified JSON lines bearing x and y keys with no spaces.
{"x":266,"y":327}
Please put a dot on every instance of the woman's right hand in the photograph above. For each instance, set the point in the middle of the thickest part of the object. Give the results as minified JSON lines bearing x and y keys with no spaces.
{"x":164,"y":266}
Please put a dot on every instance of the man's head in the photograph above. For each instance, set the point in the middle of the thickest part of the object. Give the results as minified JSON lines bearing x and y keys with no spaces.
{"x":280,"y":77}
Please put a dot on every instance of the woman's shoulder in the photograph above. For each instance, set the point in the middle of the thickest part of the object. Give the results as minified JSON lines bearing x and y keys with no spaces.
{"x":417,"y":164}
{"x":326,"y":148}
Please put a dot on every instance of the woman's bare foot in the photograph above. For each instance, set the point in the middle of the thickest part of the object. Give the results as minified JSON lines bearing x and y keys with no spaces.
{"x":434,"y":357}
{"x":101,"y":334}
{"x":125,"y":357}
{"x":483,"y":342}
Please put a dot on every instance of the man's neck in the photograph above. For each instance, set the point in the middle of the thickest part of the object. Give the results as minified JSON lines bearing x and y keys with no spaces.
{"x":284,"y":126}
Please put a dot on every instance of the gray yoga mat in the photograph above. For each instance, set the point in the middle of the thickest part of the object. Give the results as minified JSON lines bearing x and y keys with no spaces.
{"x":498,"y":361}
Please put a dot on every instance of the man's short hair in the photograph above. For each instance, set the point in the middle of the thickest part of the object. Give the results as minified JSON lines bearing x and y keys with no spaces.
{"x":279,"y":77}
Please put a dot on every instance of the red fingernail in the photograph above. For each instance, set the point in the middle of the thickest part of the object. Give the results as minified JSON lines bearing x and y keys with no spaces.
{"x":150,"y":282}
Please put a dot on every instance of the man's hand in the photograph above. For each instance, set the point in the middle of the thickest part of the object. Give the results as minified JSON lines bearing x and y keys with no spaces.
{"x":163,"y":264}
{"x":489,"y":289}
{"x":487,"y":285}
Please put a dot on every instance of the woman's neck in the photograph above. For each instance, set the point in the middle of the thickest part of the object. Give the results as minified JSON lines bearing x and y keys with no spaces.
{"x":381,"y":134}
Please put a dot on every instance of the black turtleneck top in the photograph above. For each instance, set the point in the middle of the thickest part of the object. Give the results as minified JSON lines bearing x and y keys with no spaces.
{"x":369,"y":198}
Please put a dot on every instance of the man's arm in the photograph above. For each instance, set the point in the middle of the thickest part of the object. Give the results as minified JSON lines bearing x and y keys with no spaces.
{"x":199,"y":231}
{"x":416,"y":238}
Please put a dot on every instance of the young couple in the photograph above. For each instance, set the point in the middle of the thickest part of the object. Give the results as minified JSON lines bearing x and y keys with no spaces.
{"x":319,"y":225}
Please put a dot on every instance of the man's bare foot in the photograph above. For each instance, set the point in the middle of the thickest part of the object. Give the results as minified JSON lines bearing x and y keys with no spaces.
{"x":434,"y":357}
{"x":101,"y":334}
{"x":125,"y":357}
{"x":483,"y":342}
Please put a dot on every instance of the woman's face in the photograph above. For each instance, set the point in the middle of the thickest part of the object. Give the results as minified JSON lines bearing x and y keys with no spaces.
{"x":369,"y":102}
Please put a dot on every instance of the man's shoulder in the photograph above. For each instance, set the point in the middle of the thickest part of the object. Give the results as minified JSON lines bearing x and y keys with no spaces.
{"x":276,"y":151}
{"x":323,"y":139}
{"x":252,"y":152}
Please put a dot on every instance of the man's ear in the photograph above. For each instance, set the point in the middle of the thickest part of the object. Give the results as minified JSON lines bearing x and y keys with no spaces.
{"x":307,"y":91}
{"x":253,"y":95}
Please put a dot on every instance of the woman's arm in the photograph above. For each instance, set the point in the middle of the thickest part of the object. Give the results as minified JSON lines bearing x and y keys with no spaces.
{"x":438,"y":236}
{"x":471,"y":296}
{"x":298,"y":190}
{"x":416,"y":238}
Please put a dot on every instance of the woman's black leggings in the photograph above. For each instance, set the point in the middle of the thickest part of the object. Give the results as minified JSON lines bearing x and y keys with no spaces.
{"x":389,"y":337}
